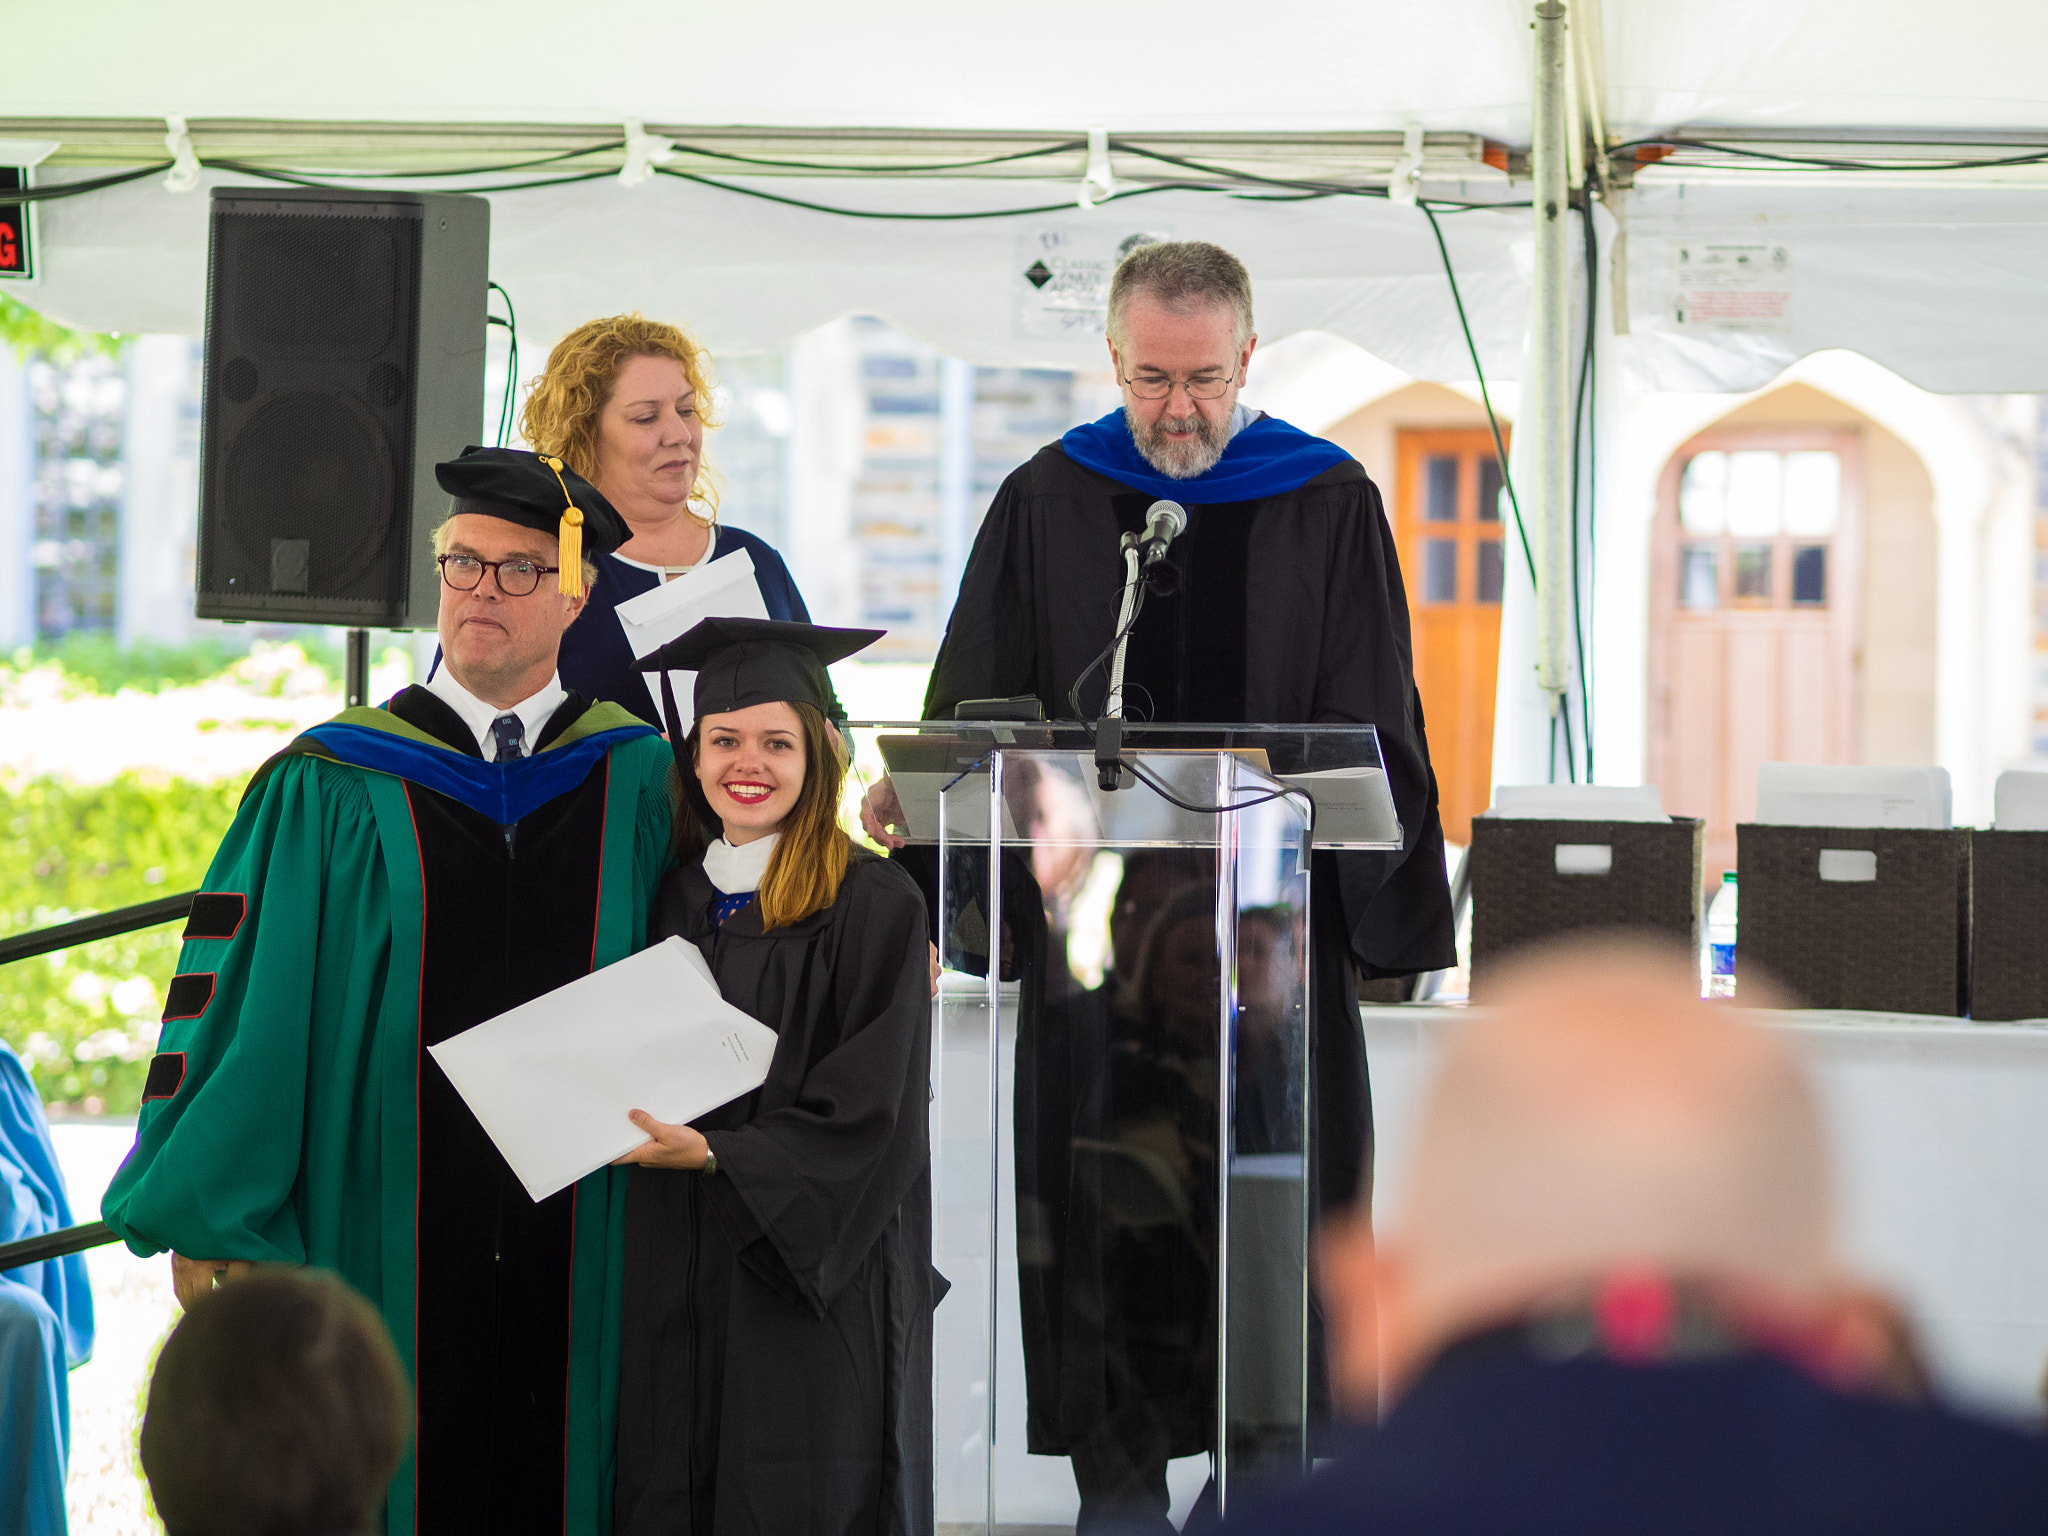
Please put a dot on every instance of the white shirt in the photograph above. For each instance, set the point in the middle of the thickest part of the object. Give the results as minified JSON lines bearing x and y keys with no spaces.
{"x":533,"y":712}
{"x":737,"y":870}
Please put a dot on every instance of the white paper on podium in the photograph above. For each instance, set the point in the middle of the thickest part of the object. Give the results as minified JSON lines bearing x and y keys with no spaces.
{"x":551,"y":1080}
{"x":722,"y":589}
{"x":1353,"y":805}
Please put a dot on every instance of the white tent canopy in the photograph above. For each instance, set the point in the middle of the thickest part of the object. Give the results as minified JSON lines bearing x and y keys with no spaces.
{"x":1058,"y":65}
{"x":1941,"y":276}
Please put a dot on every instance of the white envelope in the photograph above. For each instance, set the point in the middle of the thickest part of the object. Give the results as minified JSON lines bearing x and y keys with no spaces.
{"x":723,"y":589}
{"x":551,"y":1080}
{"x":1805,"y":795}
{"x":2019,"y":801}
{"x":1578,"y":802}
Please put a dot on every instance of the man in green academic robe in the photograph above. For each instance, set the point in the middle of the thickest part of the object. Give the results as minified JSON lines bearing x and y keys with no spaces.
{"x":394,"y":877}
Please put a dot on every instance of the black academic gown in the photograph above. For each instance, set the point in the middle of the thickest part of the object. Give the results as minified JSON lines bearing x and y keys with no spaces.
{"x":776,"y":1352}
{"x":509,"y":916}
{"x":1288,"y":609}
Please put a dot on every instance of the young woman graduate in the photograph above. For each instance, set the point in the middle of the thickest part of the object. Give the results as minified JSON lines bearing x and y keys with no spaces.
{"x":776,"y":1353}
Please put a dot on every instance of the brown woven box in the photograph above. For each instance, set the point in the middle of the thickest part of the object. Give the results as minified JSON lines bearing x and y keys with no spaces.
{"x":1898,"y":944}
{"x":1518,"y":896}
{"x":2009,"y":925}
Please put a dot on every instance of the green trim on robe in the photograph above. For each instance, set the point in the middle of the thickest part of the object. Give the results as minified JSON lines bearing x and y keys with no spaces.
{"x":292,"y":1138}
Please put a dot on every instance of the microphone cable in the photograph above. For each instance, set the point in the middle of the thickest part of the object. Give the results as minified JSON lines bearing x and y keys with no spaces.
{"x":511,"y":324}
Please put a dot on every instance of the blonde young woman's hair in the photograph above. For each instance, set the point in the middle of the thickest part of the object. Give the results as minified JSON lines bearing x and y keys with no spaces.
{"x":809,"y":863}
{"x":560,"y":415}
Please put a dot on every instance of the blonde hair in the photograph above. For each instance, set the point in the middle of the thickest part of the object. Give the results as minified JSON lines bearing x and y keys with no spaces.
{"x":561,"y":410}
{"x":810,"y":862}
{"x":441,"y":537}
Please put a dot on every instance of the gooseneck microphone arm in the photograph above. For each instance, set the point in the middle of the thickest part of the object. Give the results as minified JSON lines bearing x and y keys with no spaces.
{"x":1163,"y":522}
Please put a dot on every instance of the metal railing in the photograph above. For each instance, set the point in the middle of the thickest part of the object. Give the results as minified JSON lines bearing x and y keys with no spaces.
{"x":101,"y":925}
{"x":55,"y":1245}
{"x":44,"y":941}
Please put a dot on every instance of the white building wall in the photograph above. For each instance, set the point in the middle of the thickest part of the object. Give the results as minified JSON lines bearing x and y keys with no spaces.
{"x":17,"y":508}
{"x":160,"y":517}
{"x":825,"y":458}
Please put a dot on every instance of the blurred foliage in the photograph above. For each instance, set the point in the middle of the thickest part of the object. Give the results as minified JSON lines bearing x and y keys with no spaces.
{"x":94,"y":662}
{"x":86,"y":1019}
{"x":29,"y":332}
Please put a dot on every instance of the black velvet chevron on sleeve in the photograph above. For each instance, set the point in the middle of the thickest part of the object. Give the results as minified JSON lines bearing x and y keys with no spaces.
{"x":188,"y":996}
{"x":216,"y":915}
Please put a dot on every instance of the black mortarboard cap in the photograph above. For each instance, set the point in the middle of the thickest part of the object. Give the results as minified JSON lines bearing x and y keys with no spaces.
{"x":743,"y":662}
{"x":539,"y":492}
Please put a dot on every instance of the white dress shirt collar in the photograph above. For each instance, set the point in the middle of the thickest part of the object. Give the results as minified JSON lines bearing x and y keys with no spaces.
{"x":533,"y":711}
{"x":737,"y":870}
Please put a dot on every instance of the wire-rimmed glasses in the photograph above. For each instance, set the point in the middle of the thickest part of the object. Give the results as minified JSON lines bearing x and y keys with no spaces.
{"x":1203,"y":386}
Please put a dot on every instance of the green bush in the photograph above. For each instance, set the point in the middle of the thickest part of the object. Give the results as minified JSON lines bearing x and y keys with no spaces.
{"x":86,"y":1018}
{"x":94,"y":662}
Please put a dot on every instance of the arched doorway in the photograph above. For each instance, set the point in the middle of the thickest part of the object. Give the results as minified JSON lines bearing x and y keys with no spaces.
{"x":1792,"y":603}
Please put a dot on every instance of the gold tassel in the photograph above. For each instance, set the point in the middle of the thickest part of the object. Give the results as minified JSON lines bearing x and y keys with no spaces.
{"x":569,"y":535}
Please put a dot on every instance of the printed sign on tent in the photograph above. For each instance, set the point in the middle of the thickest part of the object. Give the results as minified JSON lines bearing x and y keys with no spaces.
{"x":1061,"y":278}
{"x":1732,"y":288}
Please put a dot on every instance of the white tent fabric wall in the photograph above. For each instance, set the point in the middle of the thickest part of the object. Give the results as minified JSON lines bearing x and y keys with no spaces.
{"x":1945,"y":286}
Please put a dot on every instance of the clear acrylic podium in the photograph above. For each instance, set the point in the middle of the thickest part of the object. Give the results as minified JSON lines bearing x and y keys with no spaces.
{"x":1121,"y":1103}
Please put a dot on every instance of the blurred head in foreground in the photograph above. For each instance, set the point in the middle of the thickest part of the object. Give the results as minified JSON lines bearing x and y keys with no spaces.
{"x":1601,"y":1130}
{"x":277,"y":1408}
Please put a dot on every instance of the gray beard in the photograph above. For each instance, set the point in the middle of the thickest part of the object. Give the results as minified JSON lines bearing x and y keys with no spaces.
{"x":1180,"y":460}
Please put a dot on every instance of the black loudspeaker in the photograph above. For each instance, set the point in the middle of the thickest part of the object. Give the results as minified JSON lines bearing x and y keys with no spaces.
{"x":344,"y":358}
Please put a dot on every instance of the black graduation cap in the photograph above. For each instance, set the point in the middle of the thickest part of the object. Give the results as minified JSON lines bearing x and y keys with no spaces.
{"x":540,"y":492}
{"x":743,"y":662}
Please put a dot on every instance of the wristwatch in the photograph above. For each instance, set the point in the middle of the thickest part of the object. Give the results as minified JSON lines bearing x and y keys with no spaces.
{"x":710,"y":1162}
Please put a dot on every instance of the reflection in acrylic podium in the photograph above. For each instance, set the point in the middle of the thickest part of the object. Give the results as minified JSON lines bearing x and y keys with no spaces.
{"x":1123,"y":1097}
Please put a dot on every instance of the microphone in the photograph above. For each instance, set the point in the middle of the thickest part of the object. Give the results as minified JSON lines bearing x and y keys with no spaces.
{"x":1164,"y":521}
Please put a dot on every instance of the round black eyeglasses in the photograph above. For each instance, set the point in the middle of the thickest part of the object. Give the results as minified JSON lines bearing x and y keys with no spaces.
{"x":516,"y":578}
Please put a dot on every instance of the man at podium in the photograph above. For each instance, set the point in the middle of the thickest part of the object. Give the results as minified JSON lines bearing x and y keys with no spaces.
{"x":1281,"y":603}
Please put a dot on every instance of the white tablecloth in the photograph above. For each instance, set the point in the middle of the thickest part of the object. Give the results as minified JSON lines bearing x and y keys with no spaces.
{"x":1941,"y":1136}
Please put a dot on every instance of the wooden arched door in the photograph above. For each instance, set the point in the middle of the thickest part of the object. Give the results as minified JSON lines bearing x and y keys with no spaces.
{"x":1447,"y":527}
{"x":1755,"y":575}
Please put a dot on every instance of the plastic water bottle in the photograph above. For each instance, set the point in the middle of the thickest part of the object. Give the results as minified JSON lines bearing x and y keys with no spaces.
{"x":1721,"y":940}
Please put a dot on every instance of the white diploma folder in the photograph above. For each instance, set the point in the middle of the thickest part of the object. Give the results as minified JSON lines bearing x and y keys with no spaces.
{"x":723,"y":589}
{"x":552,"y":1079}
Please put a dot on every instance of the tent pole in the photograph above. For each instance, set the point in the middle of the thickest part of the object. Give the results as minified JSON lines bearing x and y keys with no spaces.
{"x":1547,"y":409}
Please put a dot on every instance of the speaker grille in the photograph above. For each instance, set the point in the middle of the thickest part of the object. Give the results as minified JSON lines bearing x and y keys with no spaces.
{"x":311,"y":341}
{"x":329,"y":287}
{"x":313,"y":465}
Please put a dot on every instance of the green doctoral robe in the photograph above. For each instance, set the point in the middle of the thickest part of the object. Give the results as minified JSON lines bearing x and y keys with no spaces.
{"x":281,"y":1121}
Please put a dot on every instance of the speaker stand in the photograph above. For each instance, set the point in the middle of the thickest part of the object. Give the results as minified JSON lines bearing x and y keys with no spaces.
{"x":356,"y":670}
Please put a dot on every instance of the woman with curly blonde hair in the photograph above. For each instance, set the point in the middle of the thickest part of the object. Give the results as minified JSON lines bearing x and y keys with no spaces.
{"x":625,"y":402}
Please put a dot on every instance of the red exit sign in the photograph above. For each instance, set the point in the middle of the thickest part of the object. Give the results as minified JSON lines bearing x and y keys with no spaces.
{"x":16,"y":256}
